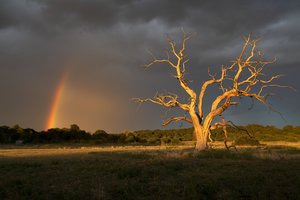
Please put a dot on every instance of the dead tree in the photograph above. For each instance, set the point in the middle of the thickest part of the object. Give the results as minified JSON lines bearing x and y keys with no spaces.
{"x":243,"y":78}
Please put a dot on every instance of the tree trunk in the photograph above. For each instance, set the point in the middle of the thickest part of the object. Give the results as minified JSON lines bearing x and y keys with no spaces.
{"x":201,"y":139}
{"x":202,"y":132}
{"x":199,"y":132}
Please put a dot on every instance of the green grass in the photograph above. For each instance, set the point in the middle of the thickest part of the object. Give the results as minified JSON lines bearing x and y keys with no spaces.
{"x":165,"y":174}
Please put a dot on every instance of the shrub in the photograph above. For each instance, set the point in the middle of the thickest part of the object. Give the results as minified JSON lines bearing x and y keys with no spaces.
{"x":246,"y":140}
{"x":175,"y":141}
{"x":130,"y":139}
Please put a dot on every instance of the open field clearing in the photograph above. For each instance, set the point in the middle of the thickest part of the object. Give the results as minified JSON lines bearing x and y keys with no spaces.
{"x":269,"y":171}
{"x":12,"y":151}
{"x":71,"y":150}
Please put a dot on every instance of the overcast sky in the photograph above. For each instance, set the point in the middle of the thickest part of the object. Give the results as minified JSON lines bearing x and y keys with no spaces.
{"x":102,"y":46}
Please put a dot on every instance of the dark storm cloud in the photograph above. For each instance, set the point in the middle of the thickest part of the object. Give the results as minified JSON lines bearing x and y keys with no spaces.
{"x":6,"y":19}
{"x":104,"y":44}
{"x":82,"y":13}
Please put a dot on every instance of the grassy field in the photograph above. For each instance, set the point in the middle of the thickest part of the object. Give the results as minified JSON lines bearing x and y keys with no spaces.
{"x":269,"y":171}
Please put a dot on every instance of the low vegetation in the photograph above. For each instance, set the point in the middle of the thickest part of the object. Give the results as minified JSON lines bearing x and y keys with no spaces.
{"x":71,"y":163}
{"x":151,"y":172}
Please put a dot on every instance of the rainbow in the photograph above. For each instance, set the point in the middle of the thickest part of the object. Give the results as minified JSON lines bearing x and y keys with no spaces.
{"x":55,"y":102}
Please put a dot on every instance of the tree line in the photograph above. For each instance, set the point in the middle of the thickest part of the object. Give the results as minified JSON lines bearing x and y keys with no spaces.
{"x":73,"y":134}
{"x":19,"y":135}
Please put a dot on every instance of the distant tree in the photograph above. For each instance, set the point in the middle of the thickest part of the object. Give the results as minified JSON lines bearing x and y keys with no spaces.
{"x":288,"y":128}
{"x":100,"y":135}
{"x":100,"y":132}
{"x":18,"y":129}
{"x":74,"y":128}
{"x":244,"y":77}
{"x":6,"y":134}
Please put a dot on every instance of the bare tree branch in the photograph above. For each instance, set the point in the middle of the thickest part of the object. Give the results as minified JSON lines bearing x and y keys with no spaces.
{"x":155,"y":60}
{"x":167,"y":122}
{"x":169,"y":101}
{"x":179,"y":66}
{"x":204,"y":87}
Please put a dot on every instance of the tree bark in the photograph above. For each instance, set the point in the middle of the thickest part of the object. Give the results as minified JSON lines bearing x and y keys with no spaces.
{"x":201,"y":142}
{"x":199,"y":131}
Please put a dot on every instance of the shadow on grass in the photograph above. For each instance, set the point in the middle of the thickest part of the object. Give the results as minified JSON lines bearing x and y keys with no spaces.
{"x":155,"y":174}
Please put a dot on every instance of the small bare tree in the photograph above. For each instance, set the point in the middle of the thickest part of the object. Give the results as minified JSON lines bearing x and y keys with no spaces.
{"x":243,"y":78}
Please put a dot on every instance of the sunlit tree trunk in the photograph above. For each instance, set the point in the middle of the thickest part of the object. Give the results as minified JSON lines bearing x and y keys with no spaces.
{"x":201,"y":138}
{"x":199,"y":132}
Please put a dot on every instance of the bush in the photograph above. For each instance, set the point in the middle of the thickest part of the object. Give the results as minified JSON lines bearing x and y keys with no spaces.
{"x":130,"y":139}
{"x":246,"y":140}
{"x":175,"y":141}
{"x":153,"y":141}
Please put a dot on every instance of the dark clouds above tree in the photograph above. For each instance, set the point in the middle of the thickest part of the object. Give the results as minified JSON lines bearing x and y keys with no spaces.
{"x":105,"y":43}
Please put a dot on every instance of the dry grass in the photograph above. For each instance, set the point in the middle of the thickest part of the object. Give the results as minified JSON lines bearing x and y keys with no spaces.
{"x":269,"y":171}
{"x":67,"y":150}
{"x":267,"y":149}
